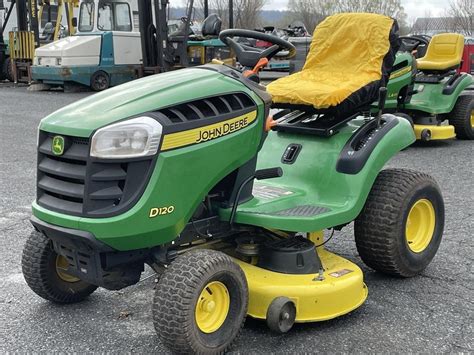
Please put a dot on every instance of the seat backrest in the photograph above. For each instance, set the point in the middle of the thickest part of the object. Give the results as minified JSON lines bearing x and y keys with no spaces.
{"x":444,"y":52}
{"x":211,"y":26}
{"x":359,"y":43}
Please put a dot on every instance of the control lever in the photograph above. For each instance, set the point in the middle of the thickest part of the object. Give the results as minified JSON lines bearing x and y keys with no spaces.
{"x":381,"y":104}
{"x":269,"y":173}
{"x":262,"y":63}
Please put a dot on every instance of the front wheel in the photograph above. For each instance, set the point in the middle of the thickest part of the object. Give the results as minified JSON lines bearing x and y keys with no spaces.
{"x":462,"y":117}
{"x":200,"y":303}
{"x":100,"y":81}
{"x":401,"y":225}
{"x":46,"y":273}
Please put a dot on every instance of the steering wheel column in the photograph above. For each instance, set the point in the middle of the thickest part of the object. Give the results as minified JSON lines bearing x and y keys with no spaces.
{"x":249,"y":56}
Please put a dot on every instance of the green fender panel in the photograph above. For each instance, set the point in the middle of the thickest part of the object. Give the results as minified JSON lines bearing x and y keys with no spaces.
{"x":399,"y":79}
{"x":432,"y":100}
{"x":312,"y":182}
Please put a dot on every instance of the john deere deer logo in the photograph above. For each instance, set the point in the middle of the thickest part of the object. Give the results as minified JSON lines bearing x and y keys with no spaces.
{"x":58,"y":145}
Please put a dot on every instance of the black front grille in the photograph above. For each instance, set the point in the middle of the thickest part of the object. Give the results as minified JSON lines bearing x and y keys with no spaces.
{"x":75,"y":184}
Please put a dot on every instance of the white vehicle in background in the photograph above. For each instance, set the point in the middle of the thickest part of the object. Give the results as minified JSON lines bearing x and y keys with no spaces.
{"x":105,"y":51}
{"x":54,"y":21}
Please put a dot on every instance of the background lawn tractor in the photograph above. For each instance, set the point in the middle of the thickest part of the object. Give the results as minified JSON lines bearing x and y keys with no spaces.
{"x":430,"y":91}
{"x":161,"y":171}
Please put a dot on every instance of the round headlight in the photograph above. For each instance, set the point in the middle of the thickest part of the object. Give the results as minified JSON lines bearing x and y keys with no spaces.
{"x":137,"y":137}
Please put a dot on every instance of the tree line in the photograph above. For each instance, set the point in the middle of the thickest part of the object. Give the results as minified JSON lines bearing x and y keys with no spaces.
{"x":247,"y":13}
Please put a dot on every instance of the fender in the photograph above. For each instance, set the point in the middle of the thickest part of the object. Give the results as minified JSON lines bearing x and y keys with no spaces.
{"x":431,"y":99}
{"x":360,"y":146}
{"x":312,"y":194}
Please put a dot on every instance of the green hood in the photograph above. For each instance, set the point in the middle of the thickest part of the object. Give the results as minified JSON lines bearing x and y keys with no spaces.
{"x":85,"y":116}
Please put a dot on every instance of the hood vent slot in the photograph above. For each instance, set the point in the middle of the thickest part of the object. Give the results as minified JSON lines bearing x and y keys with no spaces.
{"x":207,"y":108}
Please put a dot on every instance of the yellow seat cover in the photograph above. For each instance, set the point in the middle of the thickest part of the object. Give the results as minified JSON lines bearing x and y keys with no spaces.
{"x":346,"y":54}
{"x":444,"y":52}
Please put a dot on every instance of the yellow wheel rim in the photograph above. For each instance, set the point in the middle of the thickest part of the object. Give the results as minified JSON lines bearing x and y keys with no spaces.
{"x":472,"y":119}
{"x":420,"y":225}
{"x":212,"y":307}
{"x":61,"y":269}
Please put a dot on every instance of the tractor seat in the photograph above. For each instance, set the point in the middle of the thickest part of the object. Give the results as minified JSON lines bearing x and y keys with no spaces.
{"x":444,"y":53}
{"x":211,"y":25}
{"x":350,"y":58}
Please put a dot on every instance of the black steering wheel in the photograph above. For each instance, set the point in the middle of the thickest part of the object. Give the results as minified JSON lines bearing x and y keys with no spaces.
{"x":249,"y":56}
{"x":411,"y":43}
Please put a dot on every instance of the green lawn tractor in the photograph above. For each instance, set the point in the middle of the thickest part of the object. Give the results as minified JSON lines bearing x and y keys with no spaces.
{"x":428,"y":91}
{"x":230,"y":191}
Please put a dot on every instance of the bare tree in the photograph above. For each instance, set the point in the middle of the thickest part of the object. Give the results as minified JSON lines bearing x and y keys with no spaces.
{"x":392,"y":8}
{"x":463,"y":12}
{"x":246,"y":12}
{"x":311,"y":12}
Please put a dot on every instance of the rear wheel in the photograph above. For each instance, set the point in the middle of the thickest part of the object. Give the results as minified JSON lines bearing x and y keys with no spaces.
{"x":400,"y":227}
{"x":7,"y":69}
{"x":405,"y":116}
{"x":462,"y":117}
{"x":200,"y":303}
{"x":100,"y":80}
{"x":3,"y":58}
{"x":46,"y":273}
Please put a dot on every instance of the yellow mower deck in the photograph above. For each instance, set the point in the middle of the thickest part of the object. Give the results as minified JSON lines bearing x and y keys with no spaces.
{"x":341,"y":291}
{"x":436,"y":132}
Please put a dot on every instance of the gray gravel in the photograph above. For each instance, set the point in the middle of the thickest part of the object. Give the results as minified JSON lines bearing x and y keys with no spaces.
{"x":429,"y":313}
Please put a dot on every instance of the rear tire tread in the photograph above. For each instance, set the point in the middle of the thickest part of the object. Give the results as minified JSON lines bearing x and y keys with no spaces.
{"x":457,"y":117}
{"x":379,"y":221}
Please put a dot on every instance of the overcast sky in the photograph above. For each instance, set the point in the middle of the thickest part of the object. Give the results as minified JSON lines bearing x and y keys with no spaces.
{"x":413,"y":8}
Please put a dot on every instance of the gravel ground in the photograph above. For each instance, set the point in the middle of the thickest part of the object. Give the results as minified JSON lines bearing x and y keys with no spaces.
{"x":430,"y":313}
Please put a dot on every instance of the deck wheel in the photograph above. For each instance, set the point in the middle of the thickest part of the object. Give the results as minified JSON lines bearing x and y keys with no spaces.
{"x":426,"y":135}
{"x":281,"y":315}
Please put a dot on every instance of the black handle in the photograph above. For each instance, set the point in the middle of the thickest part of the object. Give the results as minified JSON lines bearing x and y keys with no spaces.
{"x":269,"y":173}
{"x":382,"y":97}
